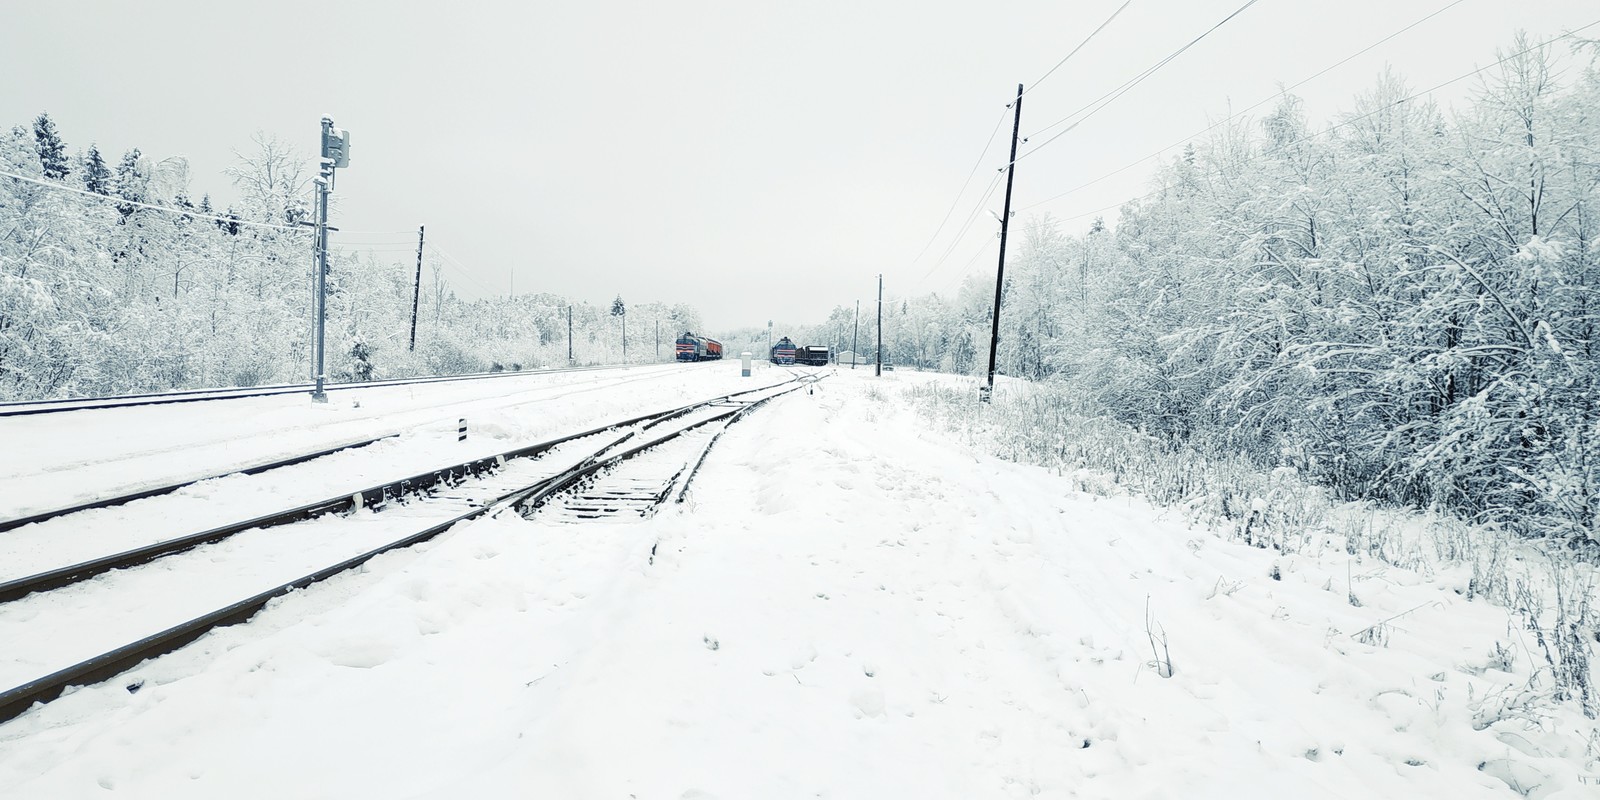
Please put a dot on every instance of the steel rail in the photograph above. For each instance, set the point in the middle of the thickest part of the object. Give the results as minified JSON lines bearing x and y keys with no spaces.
{"x":16,"y":701}
{"x":106,"y":502}
{"x":21,"y":408}
{"x":694,"y":469}
{"x":42,"y":516}
{"x":18,"y":588}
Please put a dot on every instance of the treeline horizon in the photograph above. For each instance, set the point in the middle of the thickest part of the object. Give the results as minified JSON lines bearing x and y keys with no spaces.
{"x":101,"y":294}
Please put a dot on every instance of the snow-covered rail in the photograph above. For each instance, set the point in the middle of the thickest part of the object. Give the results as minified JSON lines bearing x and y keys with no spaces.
{"x":20,"y":408}
{"x":157,"y":491}
{"x":64,"y":628}
{"x":654,"y":471}
{"x":120,"y":495}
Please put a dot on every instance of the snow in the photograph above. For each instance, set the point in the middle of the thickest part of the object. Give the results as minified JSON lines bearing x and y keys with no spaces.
{"x":57,"y":460}
{"x":849,"y":605}
{"x":63,"y":459}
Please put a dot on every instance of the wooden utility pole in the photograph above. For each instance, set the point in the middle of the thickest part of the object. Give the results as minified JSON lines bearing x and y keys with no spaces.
{"x":1000,"y":274}
{"x":879,"y":373}
{"x":569,"y":334}
{"x":416,"y":289}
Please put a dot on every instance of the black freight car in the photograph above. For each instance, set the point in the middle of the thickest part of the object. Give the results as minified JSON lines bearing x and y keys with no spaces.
{"x":815,"y":355}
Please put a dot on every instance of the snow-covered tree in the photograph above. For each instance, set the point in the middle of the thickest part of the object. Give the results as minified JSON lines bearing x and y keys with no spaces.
{"x":96,"y":175}
{"x":52,"y":151}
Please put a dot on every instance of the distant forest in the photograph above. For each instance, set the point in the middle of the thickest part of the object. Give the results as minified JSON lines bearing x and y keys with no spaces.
{"x":100,"y":294}
{"x":1403,"y":302}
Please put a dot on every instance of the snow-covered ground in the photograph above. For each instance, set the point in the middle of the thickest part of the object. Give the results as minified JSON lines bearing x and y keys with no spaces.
{"x":60,"y":460}
{"x":850,"y":605}
{"x":57,"y":460}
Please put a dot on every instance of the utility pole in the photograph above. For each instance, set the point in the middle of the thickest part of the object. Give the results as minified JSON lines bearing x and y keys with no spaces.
{"x":569,"y":334}
{"x":855,"y":337}
{"x":987,"y":391}
{"x":879,"y":372}
{"x":624,"y":337}
{"x":416,"y":289}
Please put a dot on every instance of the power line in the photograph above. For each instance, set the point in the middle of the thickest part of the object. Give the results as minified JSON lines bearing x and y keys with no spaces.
{"x":169,"y":209}
{"x":462,"y":272}
{"x":1379,"y":110}
{"x":967,"y":267}
{"x":1110,"y":97}
{"x":186,"y":212}
{"x":990,"y":143}
{"x":963,"y":190}
{"x":994,"y":183}
{"x":453,"y":262}
{"x":1247,"y":109}
{"x":1080,"y":46}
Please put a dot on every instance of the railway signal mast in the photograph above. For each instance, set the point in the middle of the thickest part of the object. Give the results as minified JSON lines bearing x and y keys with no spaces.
{"x":335,"y":153}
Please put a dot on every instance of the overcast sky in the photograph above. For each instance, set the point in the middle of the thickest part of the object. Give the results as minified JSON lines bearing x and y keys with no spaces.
{"x":757,"y":159}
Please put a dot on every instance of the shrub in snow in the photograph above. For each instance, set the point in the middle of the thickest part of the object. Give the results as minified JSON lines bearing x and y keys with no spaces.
{"x":1053,"y":427}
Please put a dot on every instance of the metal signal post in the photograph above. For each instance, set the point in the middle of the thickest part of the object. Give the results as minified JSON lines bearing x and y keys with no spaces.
{"x":335,"y":153}
{"x":987,"y":391}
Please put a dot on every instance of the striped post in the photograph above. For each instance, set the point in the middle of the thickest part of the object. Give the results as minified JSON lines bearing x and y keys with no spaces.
{"x":461,"y":430}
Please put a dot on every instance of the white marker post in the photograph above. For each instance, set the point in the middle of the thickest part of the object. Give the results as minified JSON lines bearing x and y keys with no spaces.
{"x":744,"y":370}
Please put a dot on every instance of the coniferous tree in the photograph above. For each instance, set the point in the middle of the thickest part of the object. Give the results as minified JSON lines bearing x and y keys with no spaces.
{"x":52,"y":151}
{"x":96,"y":175}
{"x":133,"y":181}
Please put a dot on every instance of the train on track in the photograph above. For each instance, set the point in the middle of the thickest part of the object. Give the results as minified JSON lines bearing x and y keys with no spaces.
{"x":783,"y":352}
{"x":786,"y":352}
{"x":698,"y":348}
{"x":813,"y":355}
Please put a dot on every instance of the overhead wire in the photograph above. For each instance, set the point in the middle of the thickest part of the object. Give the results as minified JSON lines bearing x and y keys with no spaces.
{"x":179,"y":210}
{"x":461,"y":269}
{"x":1112,"y":96}
{"x":994,"y":183}
{"x":1080,"y":46}
{"x":967,"y":267}
{"x":153,"y":207}
{"x":963,"y":190}
{"x":1253,"y":106}
{"x":1374,"y":112}
{"x":990,"y":143}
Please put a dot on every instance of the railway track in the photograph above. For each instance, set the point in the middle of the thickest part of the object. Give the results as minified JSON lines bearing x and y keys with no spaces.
{"x":169,"y":488}
{"x":139,"y":492}
{"x":630,"y":467}
{"x":21,"y":408}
